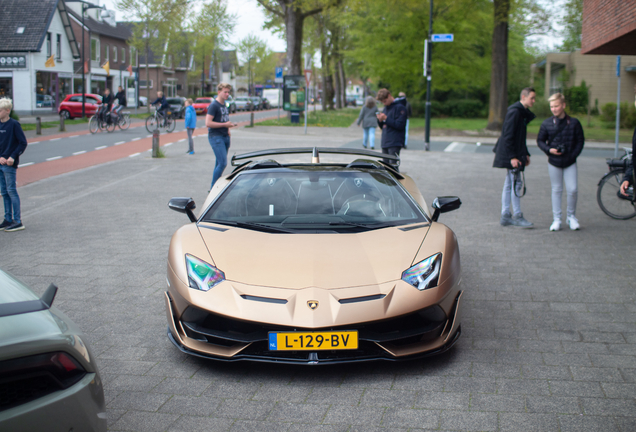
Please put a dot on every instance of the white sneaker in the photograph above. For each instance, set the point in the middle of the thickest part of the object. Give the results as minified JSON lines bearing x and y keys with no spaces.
{"x":573,"y":222}
{"x":556,"y":226}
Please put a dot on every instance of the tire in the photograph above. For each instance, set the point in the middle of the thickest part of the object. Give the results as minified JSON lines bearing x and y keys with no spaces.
{"x":171,"y":125}
{"x":93,"y":125}
{"x":608,"y":200}
{"x":65,"y":114}
{"x":110,"y":125}
{"x":124,"y":122}
{"x":151,"y":124}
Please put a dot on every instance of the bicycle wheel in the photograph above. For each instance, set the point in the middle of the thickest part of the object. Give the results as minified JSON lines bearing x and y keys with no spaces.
{"x":151,"y":123}
{"x":93,"y":125}
{"x":607,"y":196}
{"x":124,"y":122}
{"x":110,"y":125}
{"x":171,"y":124}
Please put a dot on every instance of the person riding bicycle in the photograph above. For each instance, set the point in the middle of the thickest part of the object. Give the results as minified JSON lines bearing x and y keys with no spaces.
{"x":121,"y":98}
{"x":107,"y":103}
{"x":161,"y":99}
{"x":628,"y":178}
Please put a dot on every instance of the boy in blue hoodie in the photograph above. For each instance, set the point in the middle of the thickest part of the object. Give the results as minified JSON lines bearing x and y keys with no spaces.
{"x":190,"y":124}
{"x":12,"y":145}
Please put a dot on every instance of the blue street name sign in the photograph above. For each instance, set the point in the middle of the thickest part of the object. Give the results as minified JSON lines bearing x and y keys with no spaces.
{"x":443,"y":37}
{"x":618,"y":66}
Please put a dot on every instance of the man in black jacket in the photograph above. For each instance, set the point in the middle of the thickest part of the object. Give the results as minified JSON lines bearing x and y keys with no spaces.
{"x":628,"y":179}
{"x":392,"y":122}
{"x":561,"y":138}
{"x":511,"y":152}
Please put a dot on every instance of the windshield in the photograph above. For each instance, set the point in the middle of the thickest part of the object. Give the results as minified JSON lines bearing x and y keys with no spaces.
{"x":174,"y":101}
{"x":315,"y":200}
{"x":202,"y":101}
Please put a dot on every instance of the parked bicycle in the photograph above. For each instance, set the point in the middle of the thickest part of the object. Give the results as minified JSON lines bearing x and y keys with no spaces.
{"x":608,"y":195}
{"x":156,"y":121}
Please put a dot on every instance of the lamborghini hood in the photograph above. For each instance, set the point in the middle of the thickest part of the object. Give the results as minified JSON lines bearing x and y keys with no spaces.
{"x":327,"y":261}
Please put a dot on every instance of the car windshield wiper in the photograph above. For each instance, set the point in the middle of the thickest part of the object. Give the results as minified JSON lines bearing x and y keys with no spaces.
{"x":365,"y":226}
{"x":250,"y":225}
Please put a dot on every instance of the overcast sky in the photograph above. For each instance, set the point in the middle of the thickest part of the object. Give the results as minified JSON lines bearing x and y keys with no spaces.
{"x":250,"y":19}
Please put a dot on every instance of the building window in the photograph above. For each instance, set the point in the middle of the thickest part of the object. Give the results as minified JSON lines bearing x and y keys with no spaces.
{"x":95,"y":50}
{"x":58,"y":47}
{"x":142,"y":83}
{"x":123,"y":55}
{"x":107,"y":53}
{"x":48,"y":44}
{"x":115,"y":54}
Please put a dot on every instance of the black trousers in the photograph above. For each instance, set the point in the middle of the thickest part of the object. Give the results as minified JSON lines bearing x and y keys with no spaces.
{"x":395,"y":151}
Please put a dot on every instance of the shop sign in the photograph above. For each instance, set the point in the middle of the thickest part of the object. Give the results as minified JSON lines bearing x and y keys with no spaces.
{"x":12,"y":61}
{"x":294,"y":93}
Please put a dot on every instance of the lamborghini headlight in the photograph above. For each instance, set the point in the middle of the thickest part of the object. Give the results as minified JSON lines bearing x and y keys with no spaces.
{"x":424,"y":274}
{"x":201,"y":275}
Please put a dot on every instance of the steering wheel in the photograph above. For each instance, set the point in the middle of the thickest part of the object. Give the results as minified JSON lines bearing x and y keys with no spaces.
{"x":360,"y":198}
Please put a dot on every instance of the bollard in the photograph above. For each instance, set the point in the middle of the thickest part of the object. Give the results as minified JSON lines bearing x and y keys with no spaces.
{"x":155,"y":143}
{"x":62,"y":125}
{"x":251,"y":119}
{"x":38,"y":126}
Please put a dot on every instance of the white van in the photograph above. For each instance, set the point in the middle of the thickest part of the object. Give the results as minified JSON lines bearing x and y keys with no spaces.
{"x":274,"y":96}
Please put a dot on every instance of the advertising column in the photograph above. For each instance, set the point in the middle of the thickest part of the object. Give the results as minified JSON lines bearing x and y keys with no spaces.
{"x":294,"y":95}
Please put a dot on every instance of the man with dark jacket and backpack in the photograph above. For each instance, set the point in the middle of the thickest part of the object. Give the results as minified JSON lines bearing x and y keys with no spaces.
{"x":511,"y":152}
{"x":392,"y":121}
{"x":561,"y":138}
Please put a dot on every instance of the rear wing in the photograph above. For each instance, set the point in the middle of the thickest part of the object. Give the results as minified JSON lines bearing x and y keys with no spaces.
{"x":315,"y":152}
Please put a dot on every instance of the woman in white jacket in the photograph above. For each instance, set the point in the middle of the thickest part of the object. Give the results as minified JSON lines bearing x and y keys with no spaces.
{"x":369,"y":122}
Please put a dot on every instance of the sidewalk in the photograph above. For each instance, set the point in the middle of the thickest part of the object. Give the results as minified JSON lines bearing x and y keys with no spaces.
{"x":548,"y":328}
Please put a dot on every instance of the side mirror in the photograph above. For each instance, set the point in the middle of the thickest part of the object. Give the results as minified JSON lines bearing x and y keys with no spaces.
{"x":444,"y":205}
{"x":183,"y":205}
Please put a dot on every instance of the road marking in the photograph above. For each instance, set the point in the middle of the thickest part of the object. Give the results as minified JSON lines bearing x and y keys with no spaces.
{"x":120,"y":143}
{"x":73,"y":136}
{"x":54,"y":158}
{"x":100,"y":147}
{"x":148,"y":136}
{"x":55,"y":139}
{"x":135,"y":139}
{"x":26,"y":164}
{"x":133,"y":155}
{"x":460,"y":147}
{"x":169,"y":144}
{"x":79,"y":152}
{"x":181,"y":140}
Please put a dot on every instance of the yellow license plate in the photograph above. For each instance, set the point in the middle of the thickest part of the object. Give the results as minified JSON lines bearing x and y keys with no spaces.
{"x":313,"y":341}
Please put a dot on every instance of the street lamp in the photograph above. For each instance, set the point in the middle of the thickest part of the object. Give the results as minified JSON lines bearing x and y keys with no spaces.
{"x":85,"y":6}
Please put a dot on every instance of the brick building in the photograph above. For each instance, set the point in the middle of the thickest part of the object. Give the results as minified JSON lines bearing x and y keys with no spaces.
{"x":609,"y":27}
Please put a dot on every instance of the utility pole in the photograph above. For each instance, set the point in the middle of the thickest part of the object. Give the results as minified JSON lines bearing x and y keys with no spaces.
{"x":428,"y":47}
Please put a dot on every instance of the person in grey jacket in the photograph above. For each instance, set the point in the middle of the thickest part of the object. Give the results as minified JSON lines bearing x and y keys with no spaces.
{"x":369,"y":122}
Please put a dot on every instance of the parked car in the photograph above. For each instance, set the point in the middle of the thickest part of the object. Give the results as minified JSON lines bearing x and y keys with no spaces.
{"x":257,"y":103}
{"x":230,"y":104}
{"x":143,"y":101}
{"x":177,"y":106}
{"x":378,"y":277}
{"x":48,"y":376}
{"x":201,"y":105}
{"x":71,"y":106}
{"x":243,"y":103}
{"x":44,"y":101}
{"x":354,"y":100}
{"x":266,"y":104}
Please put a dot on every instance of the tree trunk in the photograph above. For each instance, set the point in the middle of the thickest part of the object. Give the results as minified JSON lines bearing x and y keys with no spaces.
{"x":294,"y":33}
{"x":328,"y":93}
{"x":499,"y":72}
{"x":343,"y":80}
{"x":324,"y":61}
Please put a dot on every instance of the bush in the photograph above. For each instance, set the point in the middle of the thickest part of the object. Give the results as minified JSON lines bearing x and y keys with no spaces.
{"x":628,"y":115}
{"x":577,"y":98}
{"x":14,"y":116}
{"x":541,"y":108}
{"x":462,"y":108}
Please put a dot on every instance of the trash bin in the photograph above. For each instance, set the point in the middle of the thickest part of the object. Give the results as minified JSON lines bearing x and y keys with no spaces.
{"x":295,"y":117}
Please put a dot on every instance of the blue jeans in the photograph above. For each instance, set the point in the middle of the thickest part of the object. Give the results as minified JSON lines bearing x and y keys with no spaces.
{"x":220,"y":145}
{"x":508,"y":196}
{"x":9,"y":194}
{"x":369,"y":137}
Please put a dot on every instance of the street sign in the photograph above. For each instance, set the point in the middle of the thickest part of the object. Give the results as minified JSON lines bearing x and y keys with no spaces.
{"x":427,"y":64}
{"x":307,"y":76}
{"x":279,"y":75}
{"x":443,"y":37}
{"x":618,"y":66}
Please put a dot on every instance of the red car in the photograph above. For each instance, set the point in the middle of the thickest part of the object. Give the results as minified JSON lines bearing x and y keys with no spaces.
{"x":71,"y":106}
{"x":201,"y":105}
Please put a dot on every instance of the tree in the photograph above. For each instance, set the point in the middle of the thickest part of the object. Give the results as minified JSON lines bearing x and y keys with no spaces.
{"x":499,"y":72}
{"x":153,"y":17}
{"x":292,"y":14}
{"x":572,"y":23}
{"x":251,"y":50}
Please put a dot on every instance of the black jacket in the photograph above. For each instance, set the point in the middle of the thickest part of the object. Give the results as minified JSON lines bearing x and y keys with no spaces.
{"x":121,"y":97}
{"x":108,"y":100}
{"x":629,"y":174}
{"x":12,"y":141}
{"x":394,"y":127}
{"x":571,"y":137}
{"x":512,"y":142}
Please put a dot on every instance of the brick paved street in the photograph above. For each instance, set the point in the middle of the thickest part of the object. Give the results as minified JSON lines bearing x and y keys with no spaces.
{"x":548,"y":332}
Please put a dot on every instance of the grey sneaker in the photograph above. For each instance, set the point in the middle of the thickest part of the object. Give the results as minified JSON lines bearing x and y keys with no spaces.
{"x":16,"y":226}
{"x":521,"y":222}
{"x":506,"y":219}
{"x":5,"y":224}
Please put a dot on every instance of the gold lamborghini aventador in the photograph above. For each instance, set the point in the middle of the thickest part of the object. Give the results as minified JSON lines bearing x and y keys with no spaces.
{"x":310,"y":262}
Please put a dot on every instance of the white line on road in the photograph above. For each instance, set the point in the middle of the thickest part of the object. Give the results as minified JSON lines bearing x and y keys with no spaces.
{"x":79,"y":152}
{"x":26,"y":164}
{"x":54,"y":158}
{"x":100,"y":147}
{"x":55,"y":139}
{"x":120,"y":143}
{"x":148,"y":136}
{"x":73,"y":136}
{"x":181,"y":140}
{"x":135,"y":139}
{"x":169,"y":144}
{"x":133,"y":155}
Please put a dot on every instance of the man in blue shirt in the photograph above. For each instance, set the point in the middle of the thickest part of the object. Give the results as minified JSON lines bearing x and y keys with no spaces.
{"x":12,"y":145}
{"x":218,"y":123}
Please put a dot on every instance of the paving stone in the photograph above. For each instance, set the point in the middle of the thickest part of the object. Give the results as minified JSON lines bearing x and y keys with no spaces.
{"x":258,"y":426}
{"x":144,"y":421}
{"x":301,"y":413}
{"x":244,"y":410}
{"x":488,"y":370}
{"x":411,"y":418}
{"x":189,"y":423}
{"x":553,"y":404}
{"x":500,"y":403}
{"x":419,"y":382}
{"x":181,"y":386}
{"x":576,"y":388}
{"x":191,"y":405}
{"x":596,"y":374}
{"x":443,"y":400}
{"x":609,"y":407}
{"x":546,"y":372}
{"x":527,"y":422}
{"x":522,"y":387}
{"x":389,"y":398}
{"x":139,"y":401}
{"x":352,"y":415}
{"x":469,"y":421}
